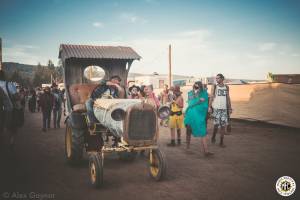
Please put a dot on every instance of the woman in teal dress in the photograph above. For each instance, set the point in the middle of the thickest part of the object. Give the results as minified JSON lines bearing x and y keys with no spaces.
{"x":195,"y":116}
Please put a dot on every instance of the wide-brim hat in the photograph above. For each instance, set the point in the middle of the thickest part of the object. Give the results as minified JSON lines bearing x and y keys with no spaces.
{"x":134,"y":86}
{"x":177,"y":90}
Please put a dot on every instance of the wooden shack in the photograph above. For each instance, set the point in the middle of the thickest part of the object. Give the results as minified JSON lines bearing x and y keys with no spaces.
{"x":114,"y":60}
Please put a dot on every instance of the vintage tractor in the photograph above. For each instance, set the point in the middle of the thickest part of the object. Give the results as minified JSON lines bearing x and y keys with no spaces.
{"x":125,"y":126}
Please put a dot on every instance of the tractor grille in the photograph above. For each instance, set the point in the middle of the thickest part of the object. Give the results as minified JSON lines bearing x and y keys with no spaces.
{"x":142,"y":124}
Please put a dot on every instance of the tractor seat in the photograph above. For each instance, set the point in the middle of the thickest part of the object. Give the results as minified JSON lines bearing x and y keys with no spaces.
{"x":79,"y":93}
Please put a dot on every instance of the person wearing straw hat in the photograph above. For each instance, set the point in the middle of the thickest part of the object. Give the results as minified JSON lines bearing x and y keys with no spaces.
{"x":134,"y":92}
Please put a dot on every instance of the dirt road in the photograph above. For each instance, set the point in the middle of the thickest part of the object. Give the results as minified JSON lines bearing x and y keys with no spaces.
{"x":255,"y":157}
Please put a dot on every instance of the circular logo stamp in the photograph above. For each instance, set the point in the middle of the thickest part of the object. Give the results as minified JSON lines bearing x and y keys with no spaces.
{"x":285,"y":186}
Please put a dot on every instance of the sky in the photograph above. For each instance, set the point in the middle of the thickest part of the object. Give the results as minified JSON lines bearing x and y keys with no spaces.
{"x":239,"y":38}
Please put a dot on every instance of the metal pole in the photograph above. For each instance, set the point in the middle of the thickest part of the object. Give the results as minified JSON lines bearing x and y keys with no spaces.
{"x":170,"y":67}
{"x":0,"y":54}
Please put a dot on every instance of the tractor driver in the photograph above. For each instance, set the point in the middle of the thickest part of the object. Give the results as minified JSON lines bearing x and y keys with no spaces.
{"x":107,"y":90}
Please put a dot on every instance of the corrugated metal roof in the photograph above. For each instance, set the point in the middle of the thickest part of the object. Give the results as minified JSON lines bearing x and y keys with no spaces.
{"x":95,"y":52}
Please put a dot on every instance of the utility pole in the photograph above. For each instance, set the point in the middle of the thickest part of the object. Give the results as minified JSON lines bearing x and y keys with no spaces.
{"x":0,"y":54}
{"x":170,"y":67}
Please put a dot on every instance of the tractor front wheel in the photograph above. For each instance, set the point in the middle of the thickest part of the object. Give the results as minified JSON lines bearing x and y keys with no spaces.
{"x":96,"y":169}
{"x":157,"y":165}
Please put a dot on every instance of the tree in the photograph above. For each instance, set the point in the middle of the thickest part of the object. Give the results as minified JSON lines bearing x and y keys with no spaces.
{"x":50,"y":65}
{"x":41,"y":75}
{"x":270,"y":77}
{"x":16,"y":77}
{"x":39,"y":66}
{"x":37,"y":80}
{"x":59,"y":73}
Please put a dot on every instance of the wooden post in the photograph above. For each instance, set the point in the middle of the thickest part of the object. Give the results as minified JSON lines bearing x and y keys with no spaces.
{"x":170,"y":67}
{"x":0,"y":54}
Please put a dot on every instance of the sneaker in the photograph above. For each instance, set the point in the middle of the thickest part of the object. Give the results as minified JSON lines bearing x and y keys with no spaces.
{"x":172,"y":144}
{"x":222,"y":145}
{"x":179,"y":142}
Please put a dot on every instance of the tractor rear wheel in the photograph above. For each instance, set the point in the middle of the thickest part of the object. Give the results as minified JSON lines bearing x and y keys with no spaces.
{"x":74,"y":143}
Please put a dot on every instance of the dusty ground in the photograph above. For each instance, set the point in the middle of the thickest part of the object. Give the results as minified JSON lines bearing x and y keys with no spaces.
{"x":255,"y":157}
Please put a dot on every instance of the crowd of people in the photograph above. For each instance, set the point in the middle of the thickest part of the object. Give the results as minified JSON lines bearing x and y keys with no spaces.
{"x":113,"y":89}
{"x":199,"y":107}
{"x":50,"y":101}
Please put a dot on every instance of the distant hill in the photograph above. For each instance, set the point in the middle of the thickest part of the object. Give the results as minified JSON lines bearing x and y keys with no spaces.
{"x":28,"y":72}
{"x":24,"y":69}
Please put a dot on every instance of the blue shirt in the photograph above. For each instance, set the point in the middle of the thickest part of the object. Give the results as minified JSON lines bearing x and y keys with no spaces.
{"x":102,"y":89}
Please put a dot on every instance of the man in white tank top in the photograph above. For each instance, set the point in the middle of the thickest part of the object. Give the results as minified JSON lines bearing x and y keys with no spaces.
{"x":220,"y":107}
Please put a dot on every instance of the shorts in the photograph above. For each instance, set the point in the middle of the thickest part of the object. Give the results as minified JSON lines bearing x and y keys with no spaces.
{"x":176,"y":121}
{"x":220,"y":117}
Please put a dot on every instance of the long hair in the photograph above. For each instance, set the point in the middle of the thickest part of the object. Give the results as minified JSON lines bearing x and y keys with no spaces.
{"x":199,"y":83}
{"x":142,"y":91}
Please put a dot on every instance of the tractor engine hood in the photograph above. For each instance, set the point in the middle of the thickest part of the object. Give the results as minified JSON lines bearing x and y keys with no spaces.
{"x":131,"y":119}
